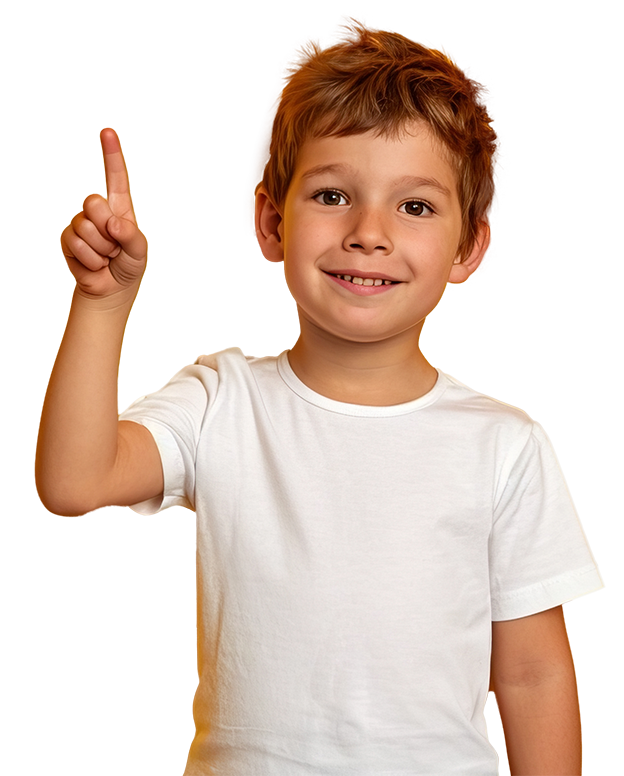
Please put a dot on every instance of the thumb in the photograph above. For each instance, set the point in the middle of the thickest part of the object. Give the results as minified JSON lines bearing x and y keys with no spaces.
{"x":128,"y":235}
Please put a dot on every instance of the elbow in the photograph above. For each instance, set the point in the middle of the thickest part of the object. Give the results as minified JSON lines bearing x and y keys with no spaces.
{"x":58,"y":505}
{"x":62,"y":499}
{"x":67,"y":488}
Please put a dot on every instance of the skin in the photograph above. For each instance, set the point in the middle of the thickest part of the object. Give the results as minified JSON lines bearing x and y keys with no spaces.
{"x":86,"y":458}
{"x":533,"y":679}
{"x":365,"y":349}
{"x":356,"y":347}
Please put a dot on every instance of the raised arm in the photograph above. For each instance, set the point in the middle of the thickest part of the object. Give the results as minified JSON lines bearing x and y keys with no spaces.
{"x":86,"y":458}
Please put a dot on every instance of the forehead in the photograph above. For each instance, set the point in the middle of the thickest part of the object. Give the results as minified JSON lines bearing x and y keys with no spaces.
{"x":414,"y":152}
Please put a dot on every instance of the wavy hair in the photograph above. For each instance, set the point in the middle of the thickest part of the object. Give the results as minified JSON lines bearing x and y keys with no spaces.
{"x":381,"y":81}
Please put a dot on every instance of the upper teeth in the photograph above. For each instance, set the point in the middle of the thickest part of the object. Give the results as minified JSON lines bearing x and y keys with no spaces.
{"x":365,"y":281}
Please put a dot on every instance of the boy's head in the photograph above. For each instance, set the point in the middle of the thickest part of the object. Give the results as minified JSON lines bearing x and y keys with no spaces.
{"x":382,"y":82}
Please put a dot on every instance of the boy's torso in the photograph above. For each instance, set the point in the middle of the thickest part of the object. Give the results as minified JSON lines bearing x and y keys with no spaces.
{"x":345,"y":577}
{"x":346,"y":587}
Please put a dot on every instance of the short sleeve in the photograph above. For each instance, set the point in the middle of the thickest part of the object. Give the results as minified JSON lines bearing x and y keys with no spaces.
{"x":539,"y":556}
{"x":175,"y":415}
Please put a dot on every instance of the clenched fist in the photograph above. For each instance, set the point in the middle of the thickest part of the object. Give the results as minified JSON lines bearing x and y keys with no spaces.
{"x":104,"y":248}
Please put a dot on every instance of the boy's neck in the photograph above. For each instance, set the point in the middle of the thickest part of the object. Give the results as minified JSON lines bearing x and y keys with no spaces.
{"x":383,"y":373}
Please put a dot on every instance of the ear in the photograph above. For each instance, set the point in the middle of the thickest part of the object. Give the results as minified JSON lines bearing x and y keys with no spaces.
{"x":268,"y":221}
{"x":462,"y":270}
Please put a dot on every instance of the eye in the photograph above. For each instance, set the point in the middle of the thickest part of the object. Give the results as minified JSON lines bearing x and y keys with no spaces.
{"x":415,"y":207}
{"x":330,"y":197}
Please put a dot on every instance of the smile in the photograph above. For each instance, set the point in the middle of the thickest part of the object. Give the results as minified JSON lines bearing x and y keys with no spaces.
{"x":363,"y":286}
{"x":361,"y":281}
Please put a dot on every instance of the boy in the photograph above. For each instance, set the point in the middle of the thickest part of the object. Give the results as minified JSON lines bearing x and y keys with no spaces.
{"x":377,"y":544}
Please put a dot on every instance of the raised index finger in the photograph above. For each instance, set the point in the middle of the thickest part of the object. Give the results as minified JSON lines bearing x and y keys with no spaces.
{"x":117,"y":182}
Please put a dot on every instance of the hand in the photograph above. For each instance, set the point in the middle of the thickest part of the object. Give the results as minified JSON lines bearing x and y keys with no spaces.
{"x":103,"y":246}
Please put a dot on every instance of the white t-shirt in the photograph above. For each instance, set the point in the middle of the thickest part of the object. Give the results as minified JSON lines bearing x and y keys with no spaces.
{"x":351,"y":560}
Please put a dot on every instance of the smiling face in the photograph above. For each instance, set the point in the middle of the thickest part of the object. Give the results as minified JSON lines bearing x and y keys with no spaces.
{"x":369,"y":234}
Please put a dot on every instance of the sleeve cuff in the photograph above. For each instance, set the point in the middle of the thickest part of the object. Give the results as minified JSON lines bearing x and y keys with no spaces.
{"x":174,"y":493}
{"x":546,"y":595}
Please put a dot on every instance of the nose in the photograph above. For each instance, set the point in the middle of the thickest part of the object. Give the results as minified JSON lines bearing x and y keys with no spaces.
{"x":368,"y":233}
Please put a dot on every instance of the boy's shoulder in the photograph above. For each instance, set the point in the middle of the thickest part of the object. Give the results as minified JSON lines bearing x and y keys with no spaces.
{"x":230,"y":370}
{"x":233,"y":358}
{"x":471,"y":399}
{"x":473,"y":412}
{"x":476,"y":401}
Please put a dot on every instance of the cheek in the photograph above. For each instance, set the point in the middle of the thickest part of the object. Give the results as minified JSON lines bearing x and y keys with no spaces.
{"x":295,"y":273}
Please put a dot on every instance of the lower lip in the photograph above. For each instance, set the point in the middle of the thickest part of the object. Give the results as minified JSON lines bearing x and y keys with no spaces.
{"x":362,"y":290}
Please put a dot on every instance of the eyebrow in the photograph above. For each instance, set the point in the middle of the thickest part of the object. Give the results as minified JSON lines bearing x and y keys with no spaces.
{"x":417,"y":181}
{"x":406,"y":181}
{"x":321,"y":169}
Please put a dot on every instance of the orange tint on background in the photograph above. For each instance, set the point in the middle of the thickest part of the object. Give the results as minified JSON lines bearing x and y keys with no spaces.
{"x":116,"y":671}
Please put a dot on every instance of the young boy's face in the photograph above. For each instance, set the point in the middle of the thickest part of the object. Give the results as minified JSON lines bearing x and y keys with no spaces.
{"x":370,"y":232}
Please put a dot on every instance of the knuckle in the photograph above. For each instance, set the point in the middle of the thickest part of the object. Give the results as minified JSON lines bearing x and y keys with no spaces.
{"x":92,"y":199}
{"x":82,"y":228}
{"x":93,"y":203}
{"x":77,"y":220}
{"x":86,"y":229}
{"x":75,"y":247}
{"x":68,"y":238}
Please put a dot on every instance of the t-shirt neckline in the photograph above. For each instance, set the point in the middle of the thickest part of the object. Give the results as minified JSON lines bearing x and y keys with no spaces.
{"x":359,"y":410}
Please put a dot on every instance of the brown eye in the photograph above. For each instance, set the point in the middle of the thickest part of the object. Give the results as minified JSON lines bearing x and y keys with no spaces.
{"x":330,"y":197}
{"x":415,"y":208}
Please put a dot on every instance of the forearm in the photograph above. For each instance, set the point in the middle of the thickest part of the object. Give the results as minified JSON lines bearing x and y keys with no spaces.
{"x":78,"y":435}
{"x":542,"y":725}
